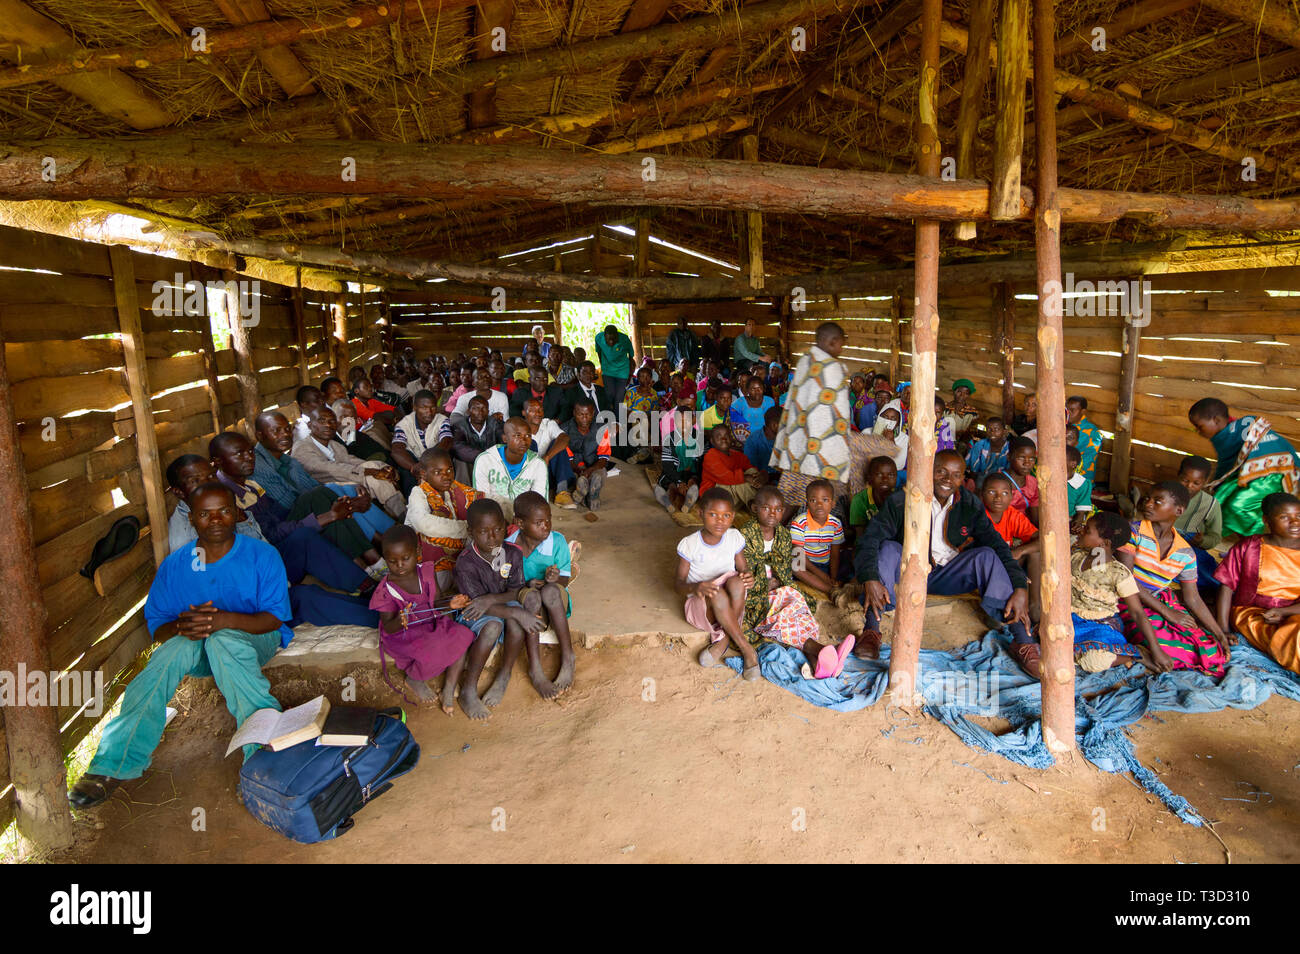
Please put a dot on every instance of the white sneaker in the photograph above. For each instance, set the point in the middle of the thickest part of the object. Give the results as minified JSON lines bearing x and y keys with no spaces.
{"x":612,"y":472}
{"x":661,"y":495}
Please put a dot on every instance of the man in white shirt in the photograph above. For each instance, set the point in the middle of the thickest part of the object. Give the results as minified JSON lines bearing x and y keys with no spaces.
{"x":553,"y":447}
{"x":498,"y":403}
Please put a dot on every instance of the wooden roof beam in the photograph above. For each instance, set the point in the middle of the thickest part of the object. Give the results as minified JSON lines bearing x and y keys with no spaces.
{"x":75,"y":61}
{"x":41,"y":42}
{"x":1277,"y":20}
{"x":1135,"y":111}
{"x":175,"y":168}
{"x":490,"y":16}
{"x":284,"y":67}
{"x":1129,"y":20}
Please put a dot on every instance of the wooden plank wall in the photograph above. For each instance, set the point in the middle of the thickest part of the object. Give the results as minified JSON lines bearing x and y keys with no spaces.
{"x":66,"y":362}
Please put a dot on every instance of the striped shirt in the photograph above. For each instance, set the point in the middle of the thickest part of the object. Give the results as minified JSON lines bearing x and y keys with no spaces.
{"x":816,"y":539}
{"x":1152,"y":572}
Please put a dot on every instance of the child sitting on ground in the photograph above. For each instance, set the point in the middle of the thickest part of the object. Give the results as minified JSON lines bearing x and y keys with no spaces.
{"x":491,"y":573}
{"x":882,"y":479}
{"x":414,"y":628}
{"x":1201,"y":524}
{"x":775,"y":608}
{"x":1022,"y":458}
{"x":1160,"y":558}
{"x":548,"y":570}
{"x":945,"y":433}
{"x":1078,"y":490}
{"x":712,"y":575}
{"x":726,"y":467}
{"x":679,"y":437}
{"x":818,"y":535}
{"x":437,"y":510}
{"x":1260,"y":596}
{"x":1098,"y":583}
{"x":1017,"y":529}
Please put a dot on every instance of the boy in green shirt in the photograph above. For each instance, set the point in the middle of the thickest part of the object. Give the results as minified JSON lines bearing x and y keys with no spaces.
{"x":882,"y":478}
{"x":1201,"y":524}
{"x":1078,"y":490}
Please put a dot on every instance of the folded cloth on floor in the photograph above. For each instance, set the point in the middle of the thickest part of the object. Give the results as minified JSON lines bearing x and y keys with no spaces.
{"x":982,"y":678}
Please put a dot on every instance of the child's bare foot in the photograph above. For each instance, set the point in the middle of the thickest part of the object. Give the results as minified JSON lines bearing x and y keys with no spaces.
{"x":420,"y":689}
{"x":497,"y":691}
{"x":449,"y":697}
{"x":712,"y":653}
{"x":565,"y":678}
{"x":473,"y":706}
{"x":545,"y":688}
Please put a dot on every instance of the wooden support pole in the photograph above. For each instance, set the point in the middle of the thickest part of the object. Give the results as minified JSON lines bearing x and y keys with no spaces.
{"x":1121,"y":460}
{"x":390,"y":333}
{"x":137,"y":384}
{"x":208,"y":349}
{"x":557,"y":309}
{"x":910,"y":594}
{"x":300,"y":327}
{"x":1006,"y":312}
{"x":972,"y":98}
{"x":895,"y":337}
{"x":330,"y":357}
{"x":640,"y":266}
{"x":241,"y":343}
{"x":753,"y":223}
{"x":1009,"y":131}
{"x":1056,"y":635}
{"x":783,"y":304}
{"x":339,"y":335}
{"x":31,"y":733}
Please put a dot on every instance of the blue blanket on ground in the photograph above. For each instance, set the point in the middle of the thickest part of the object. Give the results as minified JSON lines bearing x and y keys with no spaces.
{"x":983,"y":679}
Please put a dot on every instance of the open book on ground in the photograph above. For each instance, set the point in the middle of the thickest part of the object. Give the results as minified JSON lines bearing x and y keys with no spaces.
{"x":279,"y":730}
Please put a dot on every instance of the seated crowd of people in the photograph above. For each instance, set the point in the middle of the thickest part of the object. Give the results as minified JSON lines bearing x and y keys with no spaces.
{"x":417,"y":498}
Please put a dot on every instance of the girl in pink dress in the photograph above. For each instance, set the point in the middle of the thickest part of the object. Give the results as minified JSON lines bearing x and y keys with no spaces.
{"x":422,"y":636}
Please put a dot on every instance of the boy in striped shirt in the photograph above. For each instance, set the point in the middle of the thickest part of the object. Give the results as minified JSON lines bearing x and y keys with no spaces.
{"x":818,"y":535}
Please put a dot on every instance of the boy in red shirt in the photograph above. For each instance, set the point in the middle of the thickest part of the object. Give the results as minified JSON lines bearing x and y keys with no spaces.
{"x":724,"y":466}
{"x":1015,"y":528}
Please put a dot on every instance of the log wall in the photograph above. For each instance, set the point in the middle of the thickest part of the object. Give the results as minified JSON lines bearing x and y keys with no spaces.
{"x":70,"y":392}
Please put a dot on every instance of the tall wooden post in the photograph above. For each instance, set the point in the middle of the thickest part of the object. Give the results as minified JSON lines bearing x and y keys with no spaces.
{"x":339,"y":335}
{"x":783,"y":312}
{"x":1006,"y":315}
{"x":206,"y":345}
{"x":241,"y":342}
{"x":300,"y":327}
{"x":390,"y":331}
{"x":895,"y":337}
{"x":557,"y":307}
{"x":36,"y":767}
{"x":753,"y":224}
{"x":1056,"y":635}
{"x":1009,"y":130}
{"x":909,"y":616}
{"x":1121,"y":459}
{"x":137,"y":384}
{"x":640,"y":267}
{"x":972,"y":97}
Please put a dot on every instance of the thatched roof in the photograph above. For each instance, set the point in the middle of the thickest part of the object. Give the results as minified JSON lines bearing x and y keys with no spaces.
{"x":411,"y":78}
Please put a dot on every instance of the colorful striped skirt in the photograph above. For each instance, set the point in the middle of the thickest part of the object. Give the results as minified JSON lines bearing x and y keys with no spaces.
{"x":1188,"y":646}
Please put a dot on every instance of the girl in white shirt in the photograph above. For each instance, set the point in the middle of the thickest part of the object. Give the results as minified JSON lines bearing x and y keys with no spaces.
{"x":712,"y":575}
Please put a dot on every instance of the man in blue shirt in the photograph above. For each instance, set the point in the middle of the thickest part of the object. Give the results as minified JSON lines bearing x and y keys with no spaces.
{"x":614,"y":349}
{"x":682,"y":345}
{"x":217,"y":610}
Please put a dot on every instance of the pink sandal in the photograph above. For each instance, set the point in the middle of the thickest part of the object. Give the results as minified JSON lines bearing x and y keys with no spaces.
{"x":827,"y":660}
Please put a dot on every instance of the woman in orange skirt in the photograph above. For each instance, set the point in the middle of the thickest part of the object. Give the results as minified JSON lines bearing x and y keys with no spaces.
{"x":1260,"y":597}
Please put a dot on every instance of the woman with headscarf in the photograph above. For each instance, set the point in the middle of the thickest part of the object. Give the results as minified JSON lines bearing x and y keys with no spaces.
{"x":963,"y":414}
{"x":889,"y":424}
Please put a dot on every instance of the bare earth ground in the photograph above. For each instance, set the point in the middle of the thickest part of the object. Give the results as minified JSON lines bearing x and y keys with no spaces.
{"x":651,"y":758}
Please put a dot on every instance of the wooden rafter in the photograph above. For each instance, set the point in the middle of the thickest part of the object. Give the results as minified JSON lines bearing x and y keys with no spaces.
{"x":280,"y":61}
{"x":41,"y":41}
{"x":489,"y":16}
{"x":158,"y":168}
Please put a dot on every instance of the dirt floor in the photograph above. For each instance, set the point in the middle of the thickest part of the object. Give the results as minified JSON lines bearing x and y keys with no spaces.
{"x":651,"y":758}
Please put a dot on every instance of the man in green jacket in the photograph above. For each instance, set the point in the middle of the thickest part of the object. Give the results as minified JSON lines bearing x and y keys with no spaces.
{"x":966,"y":553}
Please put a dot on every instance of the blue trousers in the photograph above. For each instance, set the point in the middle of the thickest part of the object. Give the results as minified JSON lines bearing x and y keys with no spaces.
{"x":371,"y":522}
{"x":320,"y":607}
{"x":561,"y":470}
{"x":230,"y":656}
{"x":974,"y":569}
{"x":306,"y":551}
